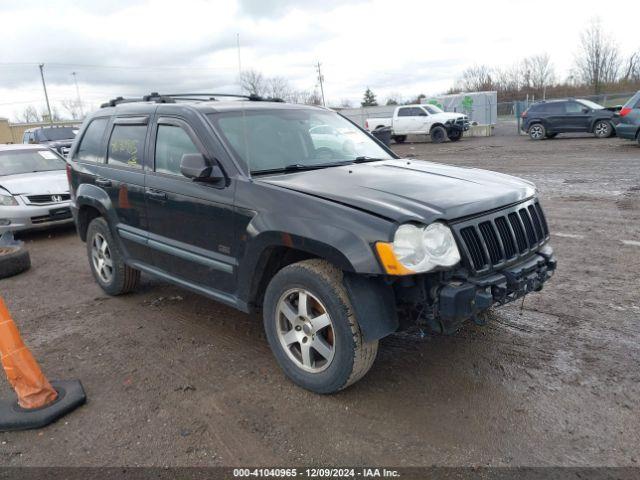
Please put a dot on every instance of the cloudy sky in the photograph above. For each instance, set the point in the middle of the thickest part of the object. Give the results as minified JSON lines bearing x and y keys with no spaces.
{"x":131,"y":47}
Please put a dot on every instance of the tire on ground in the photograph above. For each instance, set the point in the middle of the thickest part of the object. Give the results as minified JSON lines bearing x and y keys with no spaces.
{"x":400,"y":138}
{"x":13,"y":260}
{"x":537,"y":131}
{"x":603,"y":129}
{"x":124,"y":278}
{"x":353,"y":356}
{"x":438,"y":134}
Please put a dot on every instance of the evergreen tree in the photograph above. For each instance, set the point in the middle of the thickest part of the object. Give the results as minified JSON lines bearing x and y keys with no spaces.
{"x":369,"y":99}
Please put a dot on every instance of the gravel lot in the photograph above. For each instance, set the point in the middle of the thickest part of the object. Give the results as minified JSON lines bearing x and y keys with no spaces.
{"x":176,"y":379}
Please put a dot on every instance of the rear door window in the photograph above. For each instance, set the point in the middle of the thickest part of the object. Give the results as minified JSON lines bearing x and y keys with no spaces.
{"x":126,"y":146}
{"x":90,"y":148}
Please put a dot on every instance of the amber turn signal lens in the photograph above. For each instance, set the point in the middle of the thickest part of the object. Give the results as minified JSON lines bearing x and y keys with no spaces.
{"x":389,"y":261}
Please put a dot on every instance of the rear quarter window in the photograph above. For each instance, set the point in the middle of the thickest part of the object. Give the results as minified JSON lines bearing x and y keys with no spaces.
{"x":91,"y":148}
{"x":634,"y":102}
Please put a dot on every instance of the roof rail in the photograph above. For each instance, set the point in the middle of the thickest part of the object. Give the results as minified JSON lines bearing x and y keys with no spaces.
{"x":186,"y":97}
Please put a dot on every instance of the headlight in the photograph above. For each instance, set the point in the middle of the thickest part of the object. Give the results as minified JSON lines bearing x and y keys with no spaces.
{"x":7,"y":200}
{"x":417,"y":249}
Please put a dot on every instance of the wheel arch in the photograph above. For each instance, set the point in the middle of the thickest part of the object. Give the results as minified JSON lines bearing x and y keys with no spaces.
{"x":276,"y":252}
{"x":599,"y":119}
{"x":91,"y":202}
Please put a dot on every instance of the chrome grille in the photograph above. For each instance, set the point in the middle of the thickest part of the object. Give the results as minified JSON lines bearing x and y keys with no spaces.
{"x":49,"y":198}
{"x":498,"y":239}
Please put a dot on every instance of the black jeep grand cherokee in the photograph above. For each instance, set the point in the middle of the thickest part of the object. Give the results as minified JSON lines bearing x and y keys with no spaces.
{"x":337,"y":240}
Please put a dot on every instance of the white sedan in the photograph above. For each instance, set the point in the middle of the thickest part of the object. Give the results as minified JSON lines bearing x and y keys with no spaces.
{"x":34,"y":191}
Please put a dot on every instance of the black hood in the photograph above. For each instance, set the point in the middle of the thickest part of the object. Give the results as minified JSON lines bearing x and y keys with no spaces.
{"x":403,"y":190}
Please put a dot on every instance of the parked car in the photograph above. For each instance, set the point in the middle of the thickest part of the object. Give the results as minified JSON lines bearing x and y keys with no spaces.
{"x":34,"y":190}
{"x":628,"y":119}
{"x":236,"y":201}
{"x":422,"y":120}
{"x":56,"y":138}
{"x":547,"y":119}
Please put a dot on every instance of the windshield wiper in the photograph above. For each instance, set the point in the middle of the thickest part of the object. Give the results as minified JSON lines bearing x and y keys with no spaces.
{"x":294,"y":167}
{"x":365,"y":159}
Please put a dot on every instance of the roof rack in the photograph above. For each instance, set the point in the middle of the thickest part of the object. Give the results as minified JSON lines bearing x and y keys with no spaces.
{"x":186,"y":97}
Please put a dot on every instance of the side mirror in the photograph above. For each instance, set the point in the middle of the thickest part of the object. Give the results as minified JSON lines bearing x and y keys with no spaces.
{"x":197,"y":167}
{"x":586,"y":110}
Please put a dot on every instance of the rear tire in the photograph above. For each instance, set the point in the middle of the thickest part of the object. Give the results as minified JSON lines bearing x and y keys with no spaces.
{"x":602,"y":129}
{"x":306,"y":305}
{"x":400,"y":138}
{"x":107,"y":262}
{"x":438,"y":134}
{"x":537,"y":131}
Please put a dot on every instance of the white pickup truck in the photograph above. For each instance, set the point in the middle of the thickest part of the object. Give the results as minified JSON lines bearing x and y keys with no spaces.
{"x":422,"y":119}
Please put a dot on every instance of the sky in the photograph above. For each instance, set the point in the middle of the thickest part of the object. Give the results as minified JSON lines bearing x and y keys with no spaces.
{"x":405,"y":47}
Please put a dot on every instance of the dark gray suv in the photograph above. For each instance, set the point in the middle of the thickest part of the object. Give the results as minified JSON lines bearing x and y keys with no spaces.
{"x":338,"y":242}
{"x":548,"y":119}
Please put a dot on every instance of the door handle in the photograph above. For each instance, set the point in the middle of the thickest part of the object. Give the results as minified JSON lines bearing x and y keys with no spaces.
{"x":156,"y":195}
{"x":103,"y":182}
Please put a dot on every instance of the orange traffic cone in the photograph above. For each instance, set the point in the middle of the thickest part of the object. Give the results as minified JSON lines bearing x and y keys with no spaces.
{"x":39,"y":402}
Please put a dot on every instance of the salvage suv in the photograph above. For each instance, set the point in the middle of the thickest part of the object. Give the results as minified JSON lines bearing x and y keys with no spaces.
{"x":338,"y":244}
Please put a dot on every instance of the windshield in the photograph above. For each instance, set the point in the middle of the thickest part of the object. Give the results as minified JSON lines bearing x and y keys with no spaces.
{"x":591,"y":105}
{"x":55,"y":134}
{"x":27,"y":161}
{"x":266,"y":140}
{"x":433,"y":109}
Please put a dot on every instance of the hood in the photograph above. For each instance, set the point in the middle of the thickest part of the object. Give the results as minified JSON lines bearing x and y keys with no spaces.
{"x":449,"y":116}
{"x":403,"y":190}
{"x":40,"y":183}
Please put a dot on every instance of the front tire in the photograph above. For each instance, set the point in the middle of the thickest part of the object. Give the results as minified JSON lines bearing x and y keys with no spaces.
{"x":455,"y":135}
{"x":438,"y":134}
{"x":312,"y":330}
{"x":602,"y":129}
{"x":537,"y":131}
{"x":106,"y":261}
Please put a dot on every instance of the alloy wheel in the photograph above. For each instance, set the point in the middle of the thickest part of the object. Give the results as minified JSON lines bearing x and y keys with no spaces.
{"x":101,"y":258}
{"x":536,"y":132}
{"x":305,"y":330}
{"x":602,"y":129}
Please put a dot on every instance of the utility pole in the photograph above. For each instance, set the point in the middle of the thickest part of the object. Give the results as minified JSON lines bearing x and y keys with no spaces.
{"x":75,"y":80}
{"x":46,"y":96}
{"x":321,"y":79}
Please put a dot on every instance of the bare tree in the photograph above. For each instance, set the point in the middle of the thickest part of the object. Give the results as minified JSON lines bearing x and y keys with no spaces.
{"x":632,"y":68}
{"x":278,"y":87}
{"x":253,"y":82}
{"x":476,"y":79}
{"x":346,"y":103}
{"x":28,"y":115}
{"x":313,"y":98}
{"x":539,"y":70}
{"x":73,"y":107}
{"x":598,"y":60}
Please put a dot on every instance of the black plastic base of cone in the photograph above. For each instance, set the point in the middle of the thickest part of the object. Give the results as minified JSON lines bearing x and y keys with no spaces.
{"x":70,"y":396}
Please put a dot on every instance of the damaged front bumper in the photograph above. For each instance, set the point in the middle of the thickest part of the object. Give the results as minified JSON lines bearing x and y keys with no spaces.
{"x":460,"y":298}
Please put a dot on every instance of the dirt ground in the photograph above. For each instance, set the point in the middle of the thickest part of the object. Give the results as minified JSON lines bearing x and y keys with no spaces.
{"x":175,"y":379}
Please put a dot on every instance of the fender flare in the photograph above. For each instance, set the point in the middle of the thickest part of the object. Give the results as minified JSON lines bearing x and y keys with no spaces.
{"x":89,"y":195}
